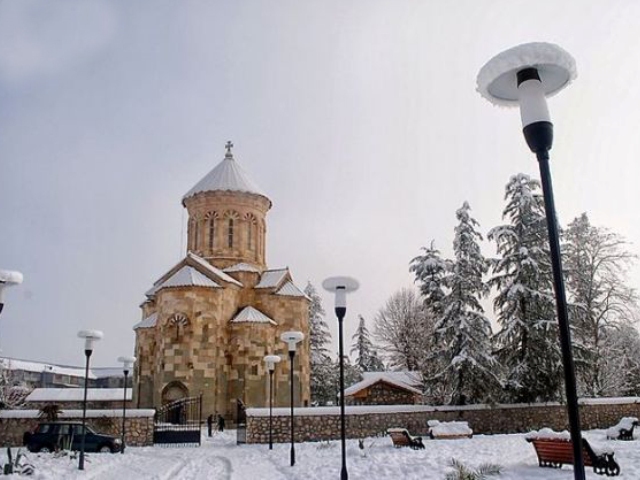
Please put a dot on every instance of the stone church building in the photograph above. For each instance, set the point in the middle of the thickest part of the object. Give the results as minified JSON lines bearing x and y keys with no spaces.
{"x":208,"y":322}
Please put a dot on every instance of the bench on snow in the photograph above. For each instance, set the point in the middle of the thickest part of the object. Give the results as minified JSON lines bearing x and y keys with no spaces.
{"x":556,"y":449}
{"x":447,"y":430}
{"x":402,"y":438}
{"x":623,"y":430}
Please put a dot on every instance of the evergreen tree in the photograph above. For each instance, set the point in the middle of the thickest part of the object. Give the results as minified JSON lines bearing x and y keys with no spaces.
{"x":429,"y":270}
{"x":463,"y":332}
{"x":323,"y":379}
{"x":595,"y":262}
{"x":368,"y":360}
{"x":528,"y":345}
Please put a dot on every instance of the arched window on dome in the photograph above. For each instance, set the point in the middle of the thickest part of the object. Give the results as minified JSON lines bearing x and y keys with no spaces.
{"x":194,"y":234}
{"x":178,"y":323}
{"x":251,"y":231}
{"x":211,"y":219}
{"x":231,"y":220}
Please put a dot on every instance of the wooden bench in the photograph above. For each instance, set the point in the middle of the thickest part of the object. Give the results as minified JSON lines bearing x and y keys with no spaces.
{"x":448,"y":430}
{"x":556,"y":452}
{"x":402,"y":438}
{"x":623,"y":430}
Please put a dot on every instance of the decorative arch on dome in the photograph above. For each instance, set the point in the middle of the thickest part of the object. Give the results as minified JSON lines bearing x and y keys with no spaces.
{"x":193,"y":233}
{"x":231,"y":218}
{"x":252,"y":224}
{"x":211,"y":220}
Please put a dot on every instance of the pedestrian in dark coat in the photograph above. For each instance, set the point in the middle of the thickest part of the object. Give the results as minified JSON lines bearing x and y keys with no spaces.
{"x":209,"y":424}
{"x":220,"y":423}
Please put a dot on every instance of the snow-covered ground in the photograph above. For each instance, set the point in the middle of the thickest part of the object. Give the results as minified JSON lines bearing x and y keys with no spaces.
{"x":220,"y":458}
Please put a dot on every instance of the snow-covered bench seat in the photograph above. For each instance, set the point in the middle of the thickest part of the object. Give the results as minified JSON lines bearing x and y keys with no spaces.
{"x":623,"y":430}
{"x":444,"y":430}
{"x":402,"y":438}
{"x":555,"y":449}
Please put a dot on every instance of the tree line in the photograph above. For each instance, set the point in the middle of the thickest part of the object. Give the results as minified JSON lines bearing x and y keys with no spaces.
{"x":443,"y":332}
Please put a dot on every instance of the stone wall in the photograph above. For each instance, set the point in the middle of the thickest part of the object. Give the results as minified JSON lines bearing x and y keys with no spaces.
{"x":323,"y":423}
{"x":138,"y":424}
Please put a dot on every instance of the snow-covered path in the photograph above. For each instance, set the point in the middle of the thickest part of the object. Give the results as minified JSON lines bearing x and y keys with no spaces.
{"x":219,"y":458}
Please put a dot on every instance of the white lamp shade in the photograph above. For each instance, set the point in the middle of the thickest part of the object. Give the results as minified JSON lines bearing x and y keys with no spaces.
{"x":340,"y":286}
{"x":127,"y":362}
{"x":291,"y":339}
{"x":90,"y":336}
{"x":271,"y":361}
{"x":533,"y":104}
{"x":10,"y":277}
{"x":497,"y":79}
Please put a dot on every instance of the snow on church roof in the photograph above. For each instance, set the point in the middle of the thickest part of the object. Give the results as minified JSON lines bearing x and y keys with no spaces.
{"x":404,"y":380}
{"x":186,"y":277}
{"x":216,"y":271}
{"x":272,"y":278}
{"x":290,"y":290}
{"x":228,"y":175}
{"x":148,"y":322}
{"x":252,"y":315}
{"x":242,"y":267}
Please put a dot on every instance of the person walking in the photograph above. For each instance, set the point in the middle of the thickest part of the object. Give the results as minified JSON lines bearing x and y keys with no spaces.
{"x":220,"y":423}
{"x":209,"y":424}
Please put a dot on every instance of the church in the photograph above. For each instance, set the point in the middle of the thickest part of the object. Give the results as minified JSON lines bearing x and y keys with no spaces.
{"x":208,"y":322}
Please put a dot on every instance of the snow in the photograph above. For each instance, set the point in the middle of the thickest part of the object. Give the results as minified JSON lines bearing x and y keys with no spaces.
{"x":626,"y":423}
{"x":375,"y":377}
{"x":148,"y":322}
{"x":76,"y":414}
{"x":228,"y":175}
{"x":242,"y":267}
{"x":290,"y":290}
{"x":37,"y":367}
{"x":220,"y":458}
{"x":252,"y":315}
{"x":272,"y":278}
{"x":186,"y":277}
{"x":443,"y":429}
{"x":548,"y":434}
{"x":77,"y":394}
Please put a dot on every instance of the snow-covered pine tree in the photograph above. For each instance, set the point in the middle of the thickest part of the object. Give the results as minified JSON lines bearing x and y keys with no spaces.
{"x":596,"y":261}
{"x":367,"y":358}
{"x":527,"y":344}
{"x":463,"y":332}
{"x":323,"y":378}
{"x":429,"y":270}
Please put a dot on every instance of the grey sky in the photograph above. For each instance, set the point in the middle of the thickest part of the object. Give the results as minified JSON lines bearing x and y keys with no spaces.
{"x":359,"y":119}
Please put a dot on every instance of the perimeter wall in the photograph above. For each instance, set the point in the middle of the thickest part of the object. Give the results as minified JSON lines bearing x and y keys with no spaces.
{"x":323,"y":423}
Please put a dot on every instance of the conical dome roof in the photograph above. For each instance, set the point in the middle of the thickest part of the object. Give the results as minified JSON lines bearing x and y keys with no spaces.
{"x":228,"y":175}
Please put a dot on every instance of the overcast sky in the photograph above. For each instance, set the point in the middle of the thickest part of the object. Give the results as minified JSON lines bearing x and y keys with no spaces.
{"x":359,"y":119}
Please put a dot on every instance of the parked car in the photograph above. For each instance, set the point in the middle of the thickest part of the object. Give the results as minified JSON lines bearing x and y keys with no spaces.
{"x":51,"y":436}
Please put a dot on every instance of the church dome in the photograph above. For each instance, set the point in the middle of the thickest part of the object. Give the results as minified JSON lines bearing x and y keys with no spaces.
{"x":227,"y":176}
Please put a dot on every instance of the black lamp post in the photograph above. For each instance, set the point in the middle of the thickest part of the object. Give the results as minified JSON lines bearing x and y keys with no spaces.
{"x":524,"y":76}
{"x":89,"y":336}
{"x":8,"y":278}
{"x":127,"y":362}
{"x":271,"y":361}
{"x":291,"y":339}
{"x":341,"y":286}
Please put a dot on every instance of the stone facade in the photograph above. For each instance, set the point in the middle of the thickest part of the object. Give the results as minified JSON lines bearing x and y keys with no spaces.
{"x":323,"y":423}
{"x":211,"y":319}
{"x":138,"y":429}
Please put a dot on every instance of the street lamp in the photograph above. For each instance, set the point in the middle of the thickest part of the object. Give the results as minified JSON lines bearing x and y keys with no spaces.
{"x":271,"y":361}
{"x":524,"y":76}
{"x":291,"y":339}
{"x":89,"y":336}
{"x":8,"y":278}
{"x":127,"y":362}
{"x":341,"y":286}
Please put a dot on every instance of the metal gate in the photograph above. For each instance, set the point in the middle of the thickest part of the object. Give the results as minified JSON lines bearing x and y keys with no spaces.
{"x":179,"y":422}
{"x":241,"y":422}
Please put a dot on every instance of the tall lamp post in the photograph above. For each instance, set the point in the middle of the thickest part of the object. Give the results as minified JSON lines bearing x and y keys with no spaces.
{"x":271,"y":361}
{"x":525,"y":75}
{"x":90,"y":336}
{"x":292,"y":339}
{"x":341,"y":286}
{"x":127,"y":362}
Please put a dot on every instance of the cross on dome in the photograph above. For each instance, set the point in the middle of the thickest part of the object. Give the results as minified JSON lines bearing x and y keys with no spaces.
{"x":228,"y":146}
